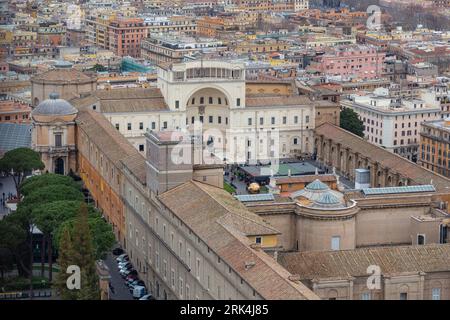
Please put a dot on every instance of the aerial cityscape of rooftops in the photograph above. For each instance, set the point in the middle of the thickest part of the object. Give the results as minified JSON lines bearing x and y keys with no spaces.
{"x":224,"y":150}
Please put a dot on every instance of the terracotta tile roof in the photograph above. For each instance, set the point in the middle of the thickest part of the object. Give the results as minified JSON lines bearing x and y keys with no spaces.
{"x":261,"y":101}
{"x":111,"y":142}
{"x":133,"y":105}
{"x":128,"y":93}
{"x":125,"y":100}
{"x":404,"y":167}
{"x":209,"y":212}
{"x":63,"y":75}
{"x":354,"y":263}
{"x":306,"y":178}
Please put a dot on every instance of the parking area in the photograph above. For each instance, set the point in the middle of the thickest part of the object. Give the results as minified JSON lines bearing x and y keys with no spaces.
{"x":124,"y":282}
{"x":119,"y":290}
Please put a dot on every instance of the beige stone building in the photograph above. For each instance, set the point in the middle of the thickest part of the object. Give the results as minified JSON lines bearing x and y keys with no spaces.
{"x":53,"y":134}
{"x":69,"y":83}
{"x":401,"y":273}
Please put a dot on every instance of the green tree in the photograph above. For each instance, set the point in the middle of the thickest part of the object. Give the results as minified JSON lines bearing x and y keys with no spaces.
{"x":39,"y":181}
{"x":64,"y":261}
{"x":48,"y":217}
{"x":102,"y":234}
{"x":84,"y":257}
{"x":18,"y":162}
{"x":48,"y":194}
{"x":12,"y":242}
{"x":351,"y":122}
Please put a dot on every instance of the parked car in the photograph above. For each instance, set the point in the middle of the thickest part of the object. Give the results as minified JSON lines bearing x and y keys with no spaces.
{"x":122,"y":265}
{"x":139,"y":292}
{"x":148,"y":296}
{"x":122,"y":257}
{"x":131,"y":277}
{"x":135,"y":283}
{"x":117,"y":251}
{"x":128,"y":272}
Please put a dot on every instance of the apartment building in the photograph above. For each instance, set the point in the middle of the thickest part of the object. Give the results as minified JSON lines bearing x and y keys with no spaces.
{"x":435,"y":146}
{"x":393,"y":123}
{"x":119,"y":34}
{"x":351,"y":62}
{"x":13,"y":110}
{"x":171,"y":48}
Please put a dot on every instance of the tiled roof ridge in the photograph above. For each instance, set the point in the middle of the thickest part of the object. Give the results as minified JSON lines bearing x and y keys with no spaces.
{"x":260,"y":223}
{"x":282,"y":272}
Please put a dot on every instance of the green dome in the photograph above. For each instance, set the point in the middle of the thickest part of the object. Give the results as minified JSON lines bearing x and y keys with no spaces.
{"x":328,"y":199}
{"x":317,"y":185}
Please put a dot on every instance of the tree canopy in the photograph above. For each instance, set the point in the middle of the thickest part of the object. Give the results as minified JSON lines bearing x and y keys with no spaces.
{"x":49,"y":194}
{"x":101,"y":233}
{"x":18,"y":162}
{"x":39,"y":181}
{"x":351,"y":122}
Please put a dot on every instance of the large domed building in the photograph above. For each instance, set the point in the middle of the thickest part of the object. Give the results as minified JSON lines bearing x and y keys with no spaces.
{"x":63,"y":79}
{"x":54,"y":134}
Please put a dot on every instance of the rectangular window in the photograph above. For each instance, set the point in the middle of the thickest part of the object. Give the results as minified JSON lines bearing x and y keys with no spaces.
{"x":261,"y":121}
{"x":165,"y":124}
{"x":153,"y":125}
{"x":365,"y":296}
{"x":219,"y":119}
{"x":258,"y":240}
{"x":238,"y":102}
{"x":181,"y":287}
{"x":420,"y":239}
{"x":307,"y":119}
{"x":296,"y":119}
{"x":436,"y":294}
{"x":141,"y":126}
{"x":117,"y":126}
{"x":249,"y":121}
{"x":198,"y":269}
{"x":129,"y":126}
{"x":335,"y":242}
{"x":403,"y":296}
{"x":172,"y":277}
{"x":210,"y":119}
{"x":58,"y":140}
{"x":272,"y":120}
{"x":177,"y":104}
{"x":284,"y":120}
{"x":141,"y":147}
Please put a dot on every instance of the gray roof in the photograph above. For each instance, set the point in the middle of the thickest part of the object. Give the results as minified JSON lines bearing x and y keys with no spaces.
{"x":54,"y":106}
{"x":13,"y":136}
{"x":255,"y":197}
{"x":403,"y":189}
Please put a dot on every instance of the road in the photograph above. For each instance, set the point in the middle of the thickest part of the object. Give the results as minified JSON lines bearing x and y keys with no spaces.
{"x":121,"y":291}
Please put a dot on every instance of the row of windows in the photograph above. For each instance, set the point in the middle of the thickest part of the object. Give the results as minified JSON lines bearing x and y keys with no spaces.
{"x":141,"y":126}
{"x":273,"y":120}
{"x":435,"y":295}
{"x":16,"y":117}
{"x":183,"y":251}
{"x":210,"y":100}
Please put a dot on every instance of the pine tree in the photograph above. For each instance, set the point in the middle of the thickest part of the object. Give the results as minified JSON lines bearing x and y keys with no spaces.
{"x":64,"y":260}
{"x":84,"y":257}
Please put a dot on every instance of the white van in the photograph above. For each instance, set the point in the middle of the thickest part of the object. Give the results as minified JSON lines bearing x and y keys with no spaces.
{"x":139,"y":292}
